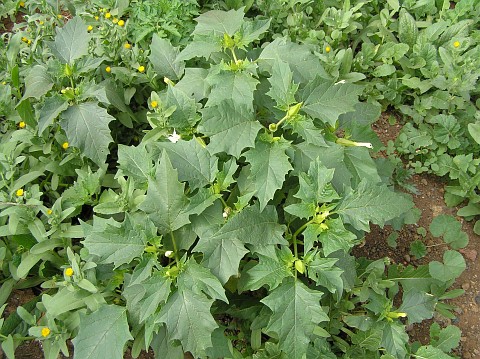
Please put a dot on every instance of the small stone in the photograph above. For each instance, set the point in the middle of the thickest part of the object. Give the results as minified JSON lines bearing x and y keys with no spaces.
{"x":476,"y":352}
{"x":477,"y":299}
{"x":470,"y":254}
{"x":424,"y":182}
{"x":466,"y":286}
{"x":458,"y":310}
{"x":463,"y":339}
{"x":409,"y":328}
{"x":407,"y":258}
{"x":467,"y":356}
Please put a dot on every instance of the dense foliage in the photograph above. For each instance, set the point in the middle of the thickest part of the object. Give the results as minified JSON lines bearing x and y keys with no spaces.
{"x":192,"y":176}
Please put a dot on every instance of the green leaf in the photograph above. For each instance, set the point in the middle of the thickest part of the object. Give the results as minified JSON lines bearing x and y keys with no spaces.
{"x":269,"y":166}
{"x":251,"y":31}
{"x":268,"y":271}
{"x":296,"y":313}
{"x":361,"y":165}
{"x":185,"y":114}
{"x":86,"y":127}
{"x":193,"y":162}
{"x":474,"y":130}
{"x":324,"y":272}
{"x":163,"y":348}
{"x":283,"y":88}
{"x":50,"y":110}
{"x":71,"y":41}
{"x":384,"y":70}
{"x":199,"y":279}
{"x":335,"y":238}
{"x":102,"y":334}
{"x":448,"y":338}
{"x":418,"y":305}
{"x":371,"y":203}
{"x":395,"y":339}
{"x":163,"y":58}
{"x":201,"y":46}
{"x":430,"y":352}
{"x":369,"y":339}
{"x":235,"y":86}
{"x":304,"y":64}
{"x":218,"y":22}
{"x":450,"y":229}
{"x":143,"y":298}
{"x":418,"y":249}
{"x":315,"y":187}
{"x":325,"y":100}
{"x":231,"y":127}
{"x":37,"y":82}
{"x":453,"y":265}
{"x":407,"y":28}
{"x":223,"y":247}
{"x":411,"y":278}
{"x":305,"y":127}
{"x":136,"y":163}
{"x":118,"y":243}
{"x":166,"y":203}
{"x":188,"y":319}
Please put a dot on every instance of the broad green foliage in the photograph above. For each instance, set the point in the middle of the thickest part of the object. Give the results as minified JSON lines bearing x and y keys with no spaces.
{"x":198,"y":185}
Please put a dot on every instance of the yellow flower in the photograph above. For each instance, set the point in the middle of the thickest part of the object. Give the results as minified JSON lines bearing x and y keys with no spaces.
{"x":59,"y":16}
{"x":108,"y":69}
{"x":49,"y":211}
{"x":154,"y":104}
{"x":24,"y":39}
{"x":127,"y":46}
{"x":108,"y":15}
{"x":328,"y":49}
{"x":89,"y":28}
{"x":41,"y":22}
{"x":115,"y":20}
{"x":29,"y":42}
{"x":65,"y":145}
{"x":456,"y":44}
{"x":22,"y":124}
{"x":45,"y":332}
{"x":21,"y":3}
{"x":121,"y":23}
{"x":19,"y":192}
{"x":4,"y":82}
{"x":69,"y":272}
{"x":96,"y":17}
{"x":141,"y":68}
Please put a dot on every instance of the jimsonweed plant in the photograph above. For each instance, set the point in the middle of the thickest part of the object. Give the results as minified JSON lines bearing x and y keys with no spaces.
{"x":201,"y":198}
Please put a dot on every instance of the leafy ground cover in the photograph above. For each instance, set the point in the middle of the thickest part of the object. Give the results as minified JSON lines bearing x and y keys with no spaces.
{"x":200,"y":177}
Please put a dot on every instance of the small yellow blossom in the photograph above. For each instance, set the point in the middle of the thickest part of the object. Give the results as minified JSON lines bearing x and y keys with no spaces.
{"x":154,"y":104}
{"x":108,"y":69}
{"x":456,"y":44}
{"x":115,"y":20}
{"x":45,"y":332}
{"x":89,"y":28}
{"x":4,"y":82}
{"x":96,"y":18}
{"x":127,"y":46}
{"x":21,"y":4}
{"x":121,"y":23}
{"x":141,"y":68}
{"x":19,"y":192}
{"x":41,"y":22}
{"x":328,"y":49}
{"x":60,"y":16}
{"x":65,"y":145}
{"x":69,"y":272}
{"x":108,"y":15}
{"x":24,"y":39}
{"x":22,"y":124}
{"x":29,"y":42}
{"x":49,"y":211}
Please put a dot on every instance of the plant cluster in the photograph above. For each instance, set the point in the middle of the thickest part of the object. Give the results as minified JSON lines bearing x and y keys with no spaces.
{"x":199,"y":186}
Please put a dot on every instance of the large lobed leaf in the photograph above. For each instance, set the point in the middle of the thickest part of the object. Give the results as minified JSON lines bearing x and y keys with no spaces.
{"x":102,"y":334}
{"x":86,"y":127}
{"x":296,"y":313}
{"x":71,"y":41}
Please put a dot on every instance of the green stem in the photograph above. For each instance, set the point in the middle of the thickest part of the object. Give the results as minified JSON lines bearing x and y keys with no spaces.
{"x":234,"y":56}
{"x":175,"y":249}
{"x":225,"y":205}
{"x":294,"y":237}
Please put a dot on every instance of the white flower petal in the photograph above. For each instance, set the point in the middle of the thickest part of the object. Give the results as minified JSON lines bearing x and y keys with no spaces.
{"x":174,"y":137}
